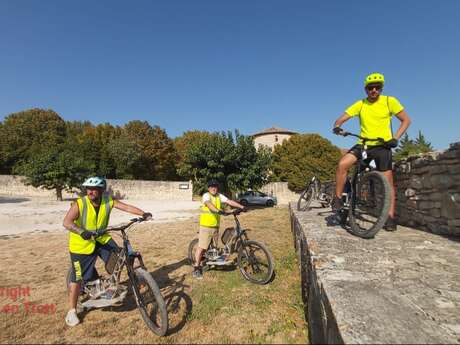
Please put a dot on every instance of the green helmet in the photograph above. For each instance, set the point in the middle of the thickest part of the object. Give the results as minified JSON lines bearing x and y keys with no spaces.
{"x":374,"y":78}
{"x":95,"y":182}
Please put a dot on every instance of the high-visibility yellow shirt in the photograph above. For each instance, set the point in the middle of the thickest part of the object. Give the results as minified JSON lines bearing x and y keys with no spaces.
{"x":375,"y":118}
{"x":207,"y":218}
{"x":89,"y":220}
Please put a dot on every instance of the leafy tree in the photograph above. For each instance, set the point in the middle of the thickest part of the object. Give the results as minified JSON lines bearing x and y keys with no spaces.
{"x":301,"y":157}
{"x":27,"y":132}
{"x":233,"y":160}
{"x":183,"y":144}
{"x":408,"y":147}
{"x":159,"y":156}
{"x":62,"y":167}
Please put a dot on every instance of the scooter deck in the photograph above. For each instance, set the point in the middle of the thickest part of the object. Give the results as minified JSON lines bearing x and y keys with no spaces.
{"x":102,"y":302}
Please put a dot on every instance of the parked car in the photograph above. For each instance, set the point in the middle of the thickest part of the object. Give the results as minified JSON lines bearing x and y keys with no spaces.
{"x":256,"y":198}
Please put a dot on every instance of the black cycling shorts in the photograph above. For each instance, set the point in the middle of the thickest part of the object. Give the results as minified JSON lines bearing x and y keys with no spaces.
{"x":381,"y":155}
{"x":83,"y":264}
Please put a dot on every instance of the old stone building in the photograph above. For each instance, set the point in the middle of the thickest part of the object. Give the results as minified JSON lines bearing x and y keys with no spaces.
{"x":271,"y":136}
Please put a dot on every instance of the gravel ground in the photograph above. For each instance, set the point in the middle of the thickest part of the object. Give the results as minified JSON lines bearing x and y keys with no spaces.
{"x":34,"y":214}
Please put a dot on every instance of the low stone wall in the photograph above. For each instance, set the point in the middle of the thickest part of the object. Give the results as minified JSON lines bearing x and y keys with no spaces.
{"x":399,"y":288}
{"x":428,"y":191}
{"x":280,"y":189}
{"x":124,"y":189}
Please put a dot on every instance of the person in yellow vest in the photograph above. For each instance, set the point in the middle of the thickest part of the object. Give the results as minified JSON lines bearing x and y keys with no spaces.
{"x":87,"y":221}
{"x":211,"y":210}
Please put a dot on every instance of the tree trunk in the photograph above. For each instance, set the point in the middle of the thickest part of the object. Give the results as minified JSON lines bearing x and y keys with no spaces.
{"x":59,"y":193}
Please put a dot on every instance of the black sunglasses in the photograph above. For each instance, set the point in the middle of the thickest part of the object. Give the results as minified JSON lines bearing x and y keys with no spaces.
{"x":378,"y":87}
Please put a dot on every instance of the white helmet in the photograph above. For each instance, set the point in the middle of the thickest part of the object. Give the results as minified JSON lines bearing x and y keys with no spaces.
{"x":95,"y":182}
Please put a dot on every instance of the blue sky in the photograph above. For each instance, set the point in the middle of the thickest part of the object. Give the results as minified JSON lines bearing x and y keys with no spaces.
{"x":219,"y":65}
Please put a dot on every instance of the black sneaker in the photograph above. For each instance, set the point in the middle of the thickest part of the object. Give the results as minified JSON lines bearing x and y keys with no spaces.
{"x":337,"y":204}
{"x":197,"y":273}
{"x":390,"y":224}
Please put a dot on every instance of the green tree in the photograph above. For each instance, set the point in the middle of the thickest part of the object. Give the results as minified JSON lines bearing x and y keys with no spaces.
{"x":422,"y":144}
{"x":301,"y":157}
{"x":159,"y":156}
{"x":408,"y":147}
{"x":62,"y":167}
{"x":183,"y":144}
{"x":25,"y":133}
{"x":231,"y":159}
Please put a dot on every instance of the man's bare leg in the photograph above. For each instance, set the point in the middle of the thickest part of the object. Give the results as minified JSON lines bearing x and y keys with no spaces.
{"x":345,"y":163}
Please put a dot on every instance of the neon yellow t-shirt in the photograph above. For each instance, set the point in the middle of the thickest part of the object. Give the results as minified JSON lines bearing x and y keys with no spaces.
{"x":375,"y":118}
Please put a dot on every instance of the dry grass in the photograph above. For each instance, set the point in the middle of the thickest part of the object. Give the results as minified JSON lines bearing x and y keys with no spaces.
{"x":221,"y":308}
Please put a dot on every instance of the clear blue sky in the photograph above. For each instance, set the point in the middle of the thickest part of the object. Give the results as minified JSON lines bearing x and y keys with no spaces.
{"x":220,"y":65}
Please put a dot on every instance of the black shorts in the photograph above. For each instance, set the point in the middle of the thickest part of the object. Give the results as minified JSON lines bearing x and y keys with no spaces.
{"x":83,"y":264}
{"x":381,"y":155}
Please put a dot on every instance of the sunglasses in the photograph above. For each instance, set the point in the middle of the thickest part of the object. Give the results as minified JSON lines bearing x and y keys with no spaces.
{"x":378,"y":87}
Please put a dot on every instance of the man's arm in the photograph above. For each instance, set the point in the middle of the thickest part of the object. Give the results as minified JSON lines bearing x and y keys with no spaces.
{"x":70,"y":218}
{"x":211,"y":207}
{"x":405,"y":123}
{"x":234,"y":204}
{"x":341,"y":120}
{"x":128,"y":208}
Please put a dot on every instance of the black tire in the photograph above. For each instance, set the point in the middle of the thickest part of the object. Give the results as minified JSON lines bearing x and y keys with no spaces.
{"x":152,"y":306}
{"x":244,"y":202}
{"x":191,"y":251}
{"x":305,"y":198}
{"x":269,"y":203}
{"x":251,"y":267}
{"x":369,"y":204}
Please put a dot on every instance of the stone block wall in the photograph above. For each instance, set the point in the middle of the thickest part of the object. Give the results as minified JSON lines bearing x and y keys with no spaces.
{"x":428,"y":191}
{"x":124,"y":189}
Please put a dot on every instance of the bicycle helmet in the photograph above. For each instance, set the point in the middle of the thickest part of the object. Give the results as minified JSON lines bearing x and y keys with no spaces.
{"x":95,"y":182}
{"x":374,"y":78}
{"x":213,"y":183}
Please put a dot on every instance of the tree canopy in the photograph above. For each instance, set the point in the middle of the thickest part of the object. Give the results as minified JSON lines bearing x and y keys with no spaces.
{"x":408,"y":147}
{"x":231,"y":159}
{"x":301,"y":157}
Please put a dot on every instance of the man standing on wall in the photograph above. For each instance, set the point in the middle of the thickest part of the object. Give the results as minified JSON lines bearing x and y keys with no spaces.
{"x":374,"y":113}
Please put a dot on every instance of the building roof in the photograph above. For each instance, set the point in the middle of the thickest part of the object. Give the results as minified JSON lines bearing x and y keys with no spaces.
{"x":274,"y":130}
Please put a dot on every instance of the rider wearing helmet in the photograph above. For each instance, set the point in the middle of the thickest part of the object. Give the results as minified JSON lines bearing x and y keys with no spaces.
{"x":374,"y":113}
{"x":87,"y":221}
{"x":211,"y":210}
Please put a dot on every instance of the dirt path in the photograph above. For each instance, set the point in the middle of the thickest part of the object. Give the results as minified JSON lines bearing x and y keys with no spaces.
{"x":220,"y":308}
{"x":35,"y":214}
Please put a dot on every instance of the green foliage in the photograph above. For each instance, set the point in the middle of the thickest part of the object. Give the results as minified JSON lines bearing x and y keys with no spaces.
{"x":233,"y":160}
{"x":158,"y":154}
{"x":408,"y":147}
{"x":60,"y":167}
{"x":24,"y":133}
{"x":182,"y":145}
{"x":301,"y":157}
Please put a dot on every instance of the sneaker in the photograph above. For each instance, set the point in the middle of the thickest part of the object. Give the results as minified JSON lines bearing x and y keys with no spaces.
{"x":337,"y":204}
{"x":390,"y":224}
{"x":71,"y":318}
{"x":197,"y":273}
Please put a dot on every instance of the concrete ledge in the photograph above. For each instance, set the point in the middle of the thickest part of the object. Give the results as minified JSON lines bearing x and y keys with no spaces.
{"x":401,"y":287}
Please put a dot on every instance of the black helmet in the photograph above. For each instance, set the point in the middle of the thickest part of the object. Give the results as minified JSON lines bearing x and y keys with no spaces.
{"x":213,"y":182}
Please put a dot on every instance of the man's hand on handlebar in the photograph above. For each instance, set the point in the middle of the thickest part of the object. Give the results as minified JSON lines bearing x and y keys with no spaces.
{"x":87,"y":235}
{"x":337,"y":131}
{"x":147,"y":216}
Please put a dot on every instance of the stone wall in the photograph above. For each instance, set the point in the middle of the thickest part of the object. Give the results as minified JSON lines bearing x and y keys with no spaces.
{"x":428,"y":191}
{"x":280,"y":189}
{"x":125,"y":189}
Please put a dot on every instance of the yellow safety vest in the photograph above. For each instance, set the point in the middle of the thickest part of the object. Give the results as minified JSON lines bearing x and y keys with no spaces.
{"x":207,"y":218}
{"x":88,"y":220}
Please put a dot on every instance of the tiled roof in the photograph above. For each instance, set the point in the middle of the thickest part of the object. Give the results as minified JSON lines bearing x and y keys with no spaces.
{"x":274,"y":130}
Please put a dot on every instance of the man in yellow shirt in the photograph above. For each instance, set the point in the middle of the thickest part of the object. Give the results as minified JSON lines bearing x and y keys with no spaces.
{"x":374,"y":113}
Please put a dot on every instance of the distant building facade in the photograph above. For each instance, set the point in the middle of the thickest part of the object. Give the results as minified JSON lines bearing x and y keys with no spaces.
{"x":271,"y":136}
